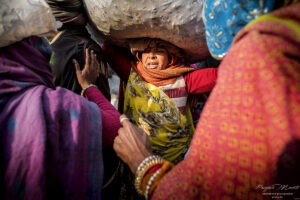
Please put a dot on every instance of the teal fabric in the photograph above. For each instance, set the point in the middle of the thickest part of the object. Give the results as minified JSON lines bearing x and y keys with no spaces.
{"x":224,"y":19}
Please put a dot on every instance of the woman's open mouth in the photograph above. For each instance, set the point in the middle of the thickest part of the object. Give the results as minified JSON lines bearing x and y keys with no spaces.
{"x":152,"y":65}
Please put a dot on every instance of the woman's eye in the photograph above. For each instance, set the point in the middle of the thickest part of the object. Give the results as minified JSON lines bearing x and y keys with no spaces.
{"x":155,"y":51}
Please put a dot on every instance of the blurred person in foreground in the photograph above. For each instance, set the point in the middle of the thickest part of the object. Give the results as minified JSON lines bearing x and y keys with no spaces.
{"x":72,"y":42}
{"x":51,"y":138}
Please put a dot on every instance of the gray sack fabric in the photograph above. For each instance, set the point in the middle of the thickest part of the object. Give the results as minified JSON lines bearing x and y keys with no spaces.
{"x":176,"y":21}
{"x":18,"y":20}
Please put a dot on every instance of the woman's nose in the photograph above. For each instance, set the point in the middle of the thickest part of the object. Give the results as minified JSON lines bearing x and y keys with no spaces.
{"x":152,"y":55}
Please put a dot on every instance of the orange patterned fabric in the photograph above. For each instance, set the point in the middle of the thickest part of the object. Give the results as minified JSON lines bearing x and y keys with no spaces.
{"x":252,"y":113}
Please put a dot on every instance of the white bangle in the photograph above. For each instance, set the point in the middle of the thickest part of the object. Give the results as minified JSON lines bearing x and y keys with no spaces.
{"x":149,"y":184}
{"x":142,"y":169}
{"x":146,"y":160}
{"x":87,"y":87}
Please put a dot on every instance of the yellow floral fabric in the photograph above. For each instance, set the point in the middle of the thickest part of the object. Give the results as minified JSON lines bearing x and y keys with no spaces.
{"x":151,"y":109}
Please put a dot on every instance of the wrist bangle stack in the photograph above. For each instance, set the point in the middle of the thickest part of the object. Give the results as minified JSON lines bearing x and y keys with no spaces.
{"x":154,"y":180}
{"x":150,"y":182}
{"x":145,"y":165}
{"x":87,"y":87}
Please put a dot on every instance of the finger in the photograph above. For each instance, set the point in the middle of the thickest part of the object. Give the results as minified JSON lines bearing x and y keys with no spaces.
{"x":94,"y":64}
{"x":124,"y":119}
{"x":87,"y":56}
{"x":76,"y":65}
{"x":93,"y":55}
{"x":116,"y":144}
{"x":116,"y":140}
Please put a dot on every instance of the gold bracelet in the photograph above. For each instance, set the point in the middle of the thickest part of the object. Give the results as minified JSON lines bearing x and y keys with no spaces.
{"x":143,"y":167}
{"x":87,"y":87}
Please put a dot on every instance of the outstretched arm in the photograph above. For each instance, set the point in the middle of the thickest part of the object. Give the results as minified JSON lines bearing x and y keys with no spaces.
{"x":201,"y":81}
{"x":119,"y":60}
{"x":110,"y":115}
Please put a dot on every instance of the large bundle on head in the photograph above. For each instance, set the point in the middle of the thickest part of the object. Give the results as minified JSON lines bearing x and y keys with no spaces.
{"x":21,"y":19}
{"x":176,"y":21}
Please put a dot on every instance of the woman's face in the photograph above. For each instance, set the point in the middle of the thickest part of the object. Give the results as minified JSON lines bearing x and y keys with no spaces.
{"x":155,"y":58}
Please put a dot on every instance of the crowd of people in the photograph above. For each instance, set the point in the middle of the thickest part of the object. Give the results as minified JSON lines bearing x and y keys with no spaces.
{"x":63,"y":139}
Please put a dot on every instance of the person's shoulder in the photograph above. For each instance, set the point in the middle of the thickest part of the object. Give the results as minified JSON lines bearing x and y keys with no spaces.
{"x":67,"y":96}
{"x":62,"y":106}
{"x":63,"y":99}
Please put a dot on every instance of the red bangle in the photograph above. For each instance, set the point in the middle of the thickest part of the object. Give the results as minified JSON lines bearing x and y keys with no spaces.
{"x":153,"y":169}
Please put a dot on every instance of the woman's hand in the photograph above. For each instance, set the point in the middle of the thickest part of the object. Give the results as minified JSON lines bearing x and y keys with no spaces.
{"x":90,"y":71}
{"x":132,"y":144}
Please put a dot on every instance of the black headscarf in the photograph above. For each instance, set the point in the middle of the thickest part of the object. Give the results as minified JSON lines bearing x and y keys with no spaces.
{"x":71,"y":44}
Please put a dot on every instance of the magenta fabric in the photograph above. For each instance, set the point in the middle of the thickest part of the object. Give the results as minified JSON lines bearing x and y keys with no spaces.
{"x":51,"y":138}
{"x":110,"y":116}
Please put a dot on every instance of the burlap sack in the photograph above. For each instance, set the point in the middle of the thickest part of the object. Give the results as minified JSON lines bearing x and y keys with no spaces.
{"x":21,"y":19}
{"x":176,"y":21}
